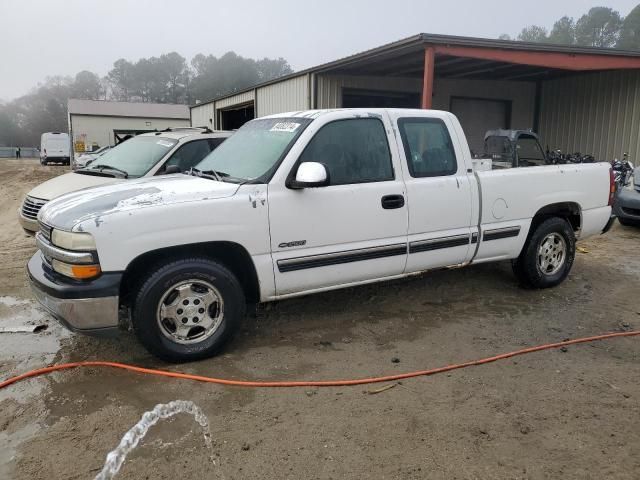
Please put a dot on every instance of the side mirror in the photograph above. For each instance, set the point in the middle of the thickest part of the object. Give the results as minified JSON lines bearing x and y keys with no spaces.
{"x":172,"y":169}
{"x":310,"y":175}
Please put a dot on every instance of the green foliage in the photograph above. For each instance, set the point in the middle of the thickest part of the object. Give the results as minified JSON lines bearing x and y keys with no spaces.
{"x":600,"y":27}
{"x":563,"y":32}
{"x":533,"y":33}
{"x":164,"y":79}
{"x":630,"y":32}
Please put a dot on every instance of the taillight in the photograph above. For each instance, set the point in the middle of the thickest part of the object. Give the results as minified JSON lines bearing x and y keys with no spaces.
{"x":612,"y":187}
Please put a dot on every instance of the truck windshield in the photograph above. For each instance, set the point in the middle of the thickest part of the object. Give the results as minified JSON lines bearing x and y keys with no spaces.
{"x":135,"y":156}
{"x":254,"y":151}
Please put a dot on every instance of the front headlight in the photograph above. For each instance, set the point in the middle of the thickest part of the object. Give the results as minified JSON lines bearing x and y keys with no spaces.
{"x":73,"y":240}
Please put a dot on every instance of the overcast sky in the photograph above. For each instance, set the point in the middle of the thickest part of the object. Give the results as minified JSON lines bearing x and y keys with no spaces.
{"x":62,"y":37}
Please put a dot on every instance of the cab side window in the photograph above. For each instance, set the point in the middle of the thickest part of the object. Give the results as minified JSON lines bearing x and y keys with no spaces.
{"x":427,"y":147}
{"x":190,"y":154}
{"x":353,"y":150}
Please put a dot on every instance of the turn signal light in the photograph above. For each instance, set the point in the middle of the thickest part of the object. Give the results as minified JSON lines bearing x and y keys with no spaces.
{"x":79,"y":272}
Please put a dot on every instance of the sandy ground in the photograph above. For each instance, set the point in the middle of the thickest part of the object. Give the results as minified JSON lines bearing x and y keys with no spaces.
{"x":571,"y":414}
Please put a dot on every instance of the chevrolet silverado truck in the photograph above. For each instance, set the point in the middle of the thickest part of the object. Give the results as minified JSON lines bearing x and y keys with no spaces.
{"x":299,"y":203}
{"x":149,"y":154}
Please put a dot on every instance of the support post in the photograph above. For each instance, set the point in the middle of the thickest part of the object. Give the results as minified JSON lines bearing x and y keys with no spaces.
{"x":427,"y":80}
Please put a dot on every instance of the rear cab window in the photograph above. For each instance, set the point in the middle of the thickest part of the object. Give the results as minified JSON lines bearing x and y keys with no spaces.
{"x":428,"y":147}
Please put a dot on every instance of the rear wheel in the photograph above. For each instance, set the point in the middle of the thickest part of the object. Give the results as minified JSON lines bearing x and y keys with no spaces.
{"x":548,"y":255}
{"x":188,"y":309}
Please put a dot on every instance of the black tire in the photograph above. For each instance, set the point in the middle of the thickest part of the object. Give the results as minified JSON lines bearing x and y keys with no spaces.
{"x":527,"y":266}
{"x":151,"y":291}
{"x":43,"y":163}
{"x":628,"y":223}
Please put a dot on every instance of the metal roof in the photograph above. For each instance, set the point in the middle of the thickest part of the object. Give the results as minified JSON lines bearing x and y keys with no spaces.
{"x":416,"y":43}
{"x":103,"y":108}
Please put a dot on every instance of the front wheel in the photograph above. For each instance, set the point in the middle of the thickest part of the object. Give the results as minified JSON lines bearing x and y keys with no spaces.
{"x":188,"y":309}
{"x":548,"y":255}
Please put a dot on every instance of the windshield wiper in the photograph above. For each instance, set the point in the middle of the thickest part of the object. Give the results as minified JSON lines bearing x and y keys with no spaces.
{"x":109,"y":167}
{"x":212,"y":174}
{"x":199,"y":173}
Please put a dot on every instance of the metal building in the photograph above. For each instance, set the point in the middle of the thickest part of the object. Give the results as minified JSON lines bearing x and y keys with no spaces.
{"x":97,"y":123}
{"x":577,"y":98}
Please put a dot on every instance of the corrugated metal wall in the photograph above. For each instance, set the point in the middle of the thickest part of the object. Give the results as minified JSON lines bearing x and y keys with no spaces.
{"x":203,"y":116}
{"x":285,"y":96}
{"x":238,"y":99}
{"x":330,"y":87}
{"x":596,"y":113}
{"x":521,"y":95}
{"x":100,"y":129}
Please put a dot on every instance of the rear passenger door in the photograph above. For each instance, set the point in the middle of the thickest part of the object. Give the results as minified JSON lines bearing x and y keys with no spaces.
{"x":352,"y":230}
{"x":438,"y":192}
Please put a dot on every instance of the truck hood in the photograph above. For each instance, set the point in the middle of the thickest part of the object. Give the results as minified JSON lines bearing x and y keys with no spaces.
{"x":68,"y":210}
{"x":69,"y":182}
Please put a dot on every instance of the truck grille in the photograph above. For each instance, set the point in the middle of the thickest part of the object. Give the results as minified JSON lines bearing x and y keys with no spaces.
{"x":31,"y":207}
{"x":45,"y":230}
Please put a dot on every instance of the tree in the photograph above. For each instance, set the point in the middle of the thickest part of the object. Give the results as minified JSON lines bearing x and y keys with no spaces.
{"x":174,"y":67}
{"x":505,"y":36}
{"x":630,"y":32}
{"x":164,"y":79}
{"x":87,"y":85}
{"x":600,"y":27}
{"x":269,"y":69}
{"x":533,"y":33}
{"x":563,"y":32}
{"x":121,"y":79}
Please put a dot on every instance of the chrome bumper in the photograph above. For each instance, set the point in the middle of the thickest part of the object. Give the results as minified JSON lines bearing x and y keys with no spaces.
{"x":95,"y":314}
{"x":85,"y":315}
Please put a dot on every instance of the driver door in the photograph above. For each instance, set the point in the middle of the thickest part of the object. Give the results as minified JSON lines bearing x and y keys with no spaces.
{"x":355,"y":228}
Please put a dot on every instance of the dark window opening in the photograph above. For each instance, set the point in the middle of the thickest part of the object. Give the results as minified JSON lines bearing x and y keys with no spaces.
{"x":356,"y":98}
{"x":235,"y":118}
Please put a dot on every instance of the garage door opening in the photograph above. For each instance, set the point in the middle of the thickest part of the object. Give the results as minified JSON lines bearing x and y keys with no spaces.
{"x":234,"y":118}
{"x":478,"y":115}
{"x":357,"y":98}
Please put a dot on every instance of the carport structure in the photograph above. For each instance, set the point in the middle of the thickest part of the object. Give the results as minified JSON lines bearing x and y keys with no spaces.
{"x":577,"y":98}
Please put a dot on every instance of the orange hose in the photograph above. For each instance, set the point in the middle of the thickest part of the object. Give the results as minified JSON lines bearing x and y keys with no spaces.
{"x":319,"y":383}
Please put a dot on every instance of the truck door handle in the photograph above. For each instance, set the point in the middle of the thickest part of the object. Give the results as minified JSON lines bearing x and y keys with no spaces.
{"x":392,"y":201}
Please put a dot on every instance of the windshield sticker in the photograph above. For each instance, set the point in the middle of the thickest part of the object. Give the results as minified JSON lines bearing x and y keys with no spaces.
{"x":165,"y":143}
{"x":285,"y":127}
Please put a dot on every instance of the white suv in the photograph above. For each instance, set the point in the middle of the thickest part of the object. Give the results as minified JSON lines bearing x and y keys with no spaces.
{"x":158,"y":153}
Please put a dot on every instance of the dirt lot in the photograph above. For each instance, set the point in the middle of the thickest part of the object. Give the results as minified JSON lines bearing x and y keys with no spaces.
{"x":571,"y":414}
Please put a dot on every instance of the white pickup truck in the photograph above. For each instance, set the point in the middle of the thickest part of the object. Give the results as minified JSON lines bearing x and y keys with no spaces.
{"x":299,"y":203}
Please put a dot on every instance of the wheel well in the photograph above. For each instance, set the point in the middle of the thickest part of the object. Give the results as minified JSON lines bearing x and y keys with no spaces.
{"x":568,"y":210}
{"x":232,"y":255}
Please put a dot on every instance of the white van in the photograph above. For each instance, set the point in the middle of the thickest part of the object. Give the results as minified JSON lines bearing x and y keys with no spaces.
{"x":55,"y":147}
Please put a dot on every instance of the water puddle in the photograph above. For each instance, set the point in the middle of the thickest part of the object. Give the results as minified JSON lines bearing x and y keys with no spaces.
{"x":22,"y":351}
{"x":129,"y":442}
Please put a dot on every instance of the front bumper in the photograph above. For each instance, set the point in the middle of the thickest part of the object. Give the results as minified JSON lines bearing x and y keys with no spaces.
{"x":29,"y":225}
{"x":627,"y":204}
{"x":85,"y":307}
